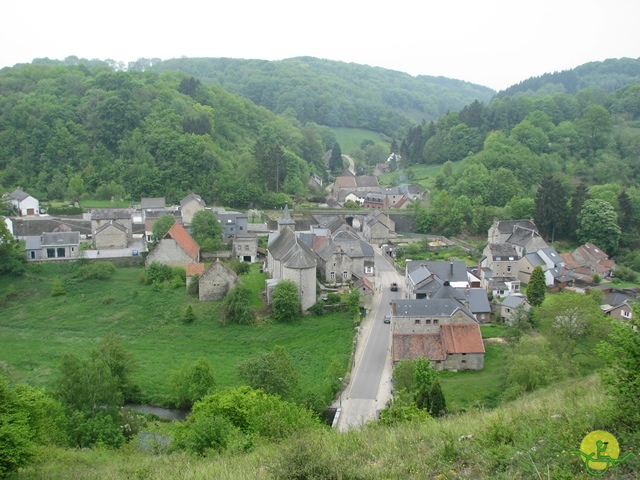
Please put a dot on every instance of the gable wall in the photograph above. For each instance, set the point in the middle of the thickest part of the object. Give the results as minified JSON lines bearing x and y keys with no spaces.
{"x":169,"y":253}
{"x":111,"y":237}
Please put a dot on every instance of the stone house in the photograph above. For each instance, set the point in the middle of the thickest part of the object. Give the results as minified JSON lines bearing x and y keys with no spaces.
{"x":24,"y":203}
{"x":245,"y":247}
{"x":594,"y":259}
{"x":176,"y":249}
{"x":105,"y":216}
{"x":510,"y":304}
{"x":53,"y":245}
{"x":618,"y":305}
{"x":366,"y":289}
{"x":377,"y":227}
{"x":344,"y":258}
{"x":375,"y":201}
{"x":501,"y":230}
{"x":289,"y":258}
{"x":442,"y":330}
{"x":111,"y":235}
{"x":216,"y":281}
{"x":423,"y":278}
{"x":189,"y":206}
{"x":501,"y":258}
{"x":548,"y":259}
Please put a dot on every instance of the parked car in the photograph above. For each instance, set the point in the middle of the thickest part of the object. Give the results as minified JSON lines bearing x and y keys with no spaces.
{"x":394,"y":287}
{"x":387,"y":319}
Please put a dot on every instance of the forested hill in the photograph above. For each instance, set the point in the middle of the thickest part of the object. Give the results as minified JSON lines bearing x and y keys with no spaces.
{"x":608,"y":76}
{"x":333,"y":93}
{"x":70,"y":130}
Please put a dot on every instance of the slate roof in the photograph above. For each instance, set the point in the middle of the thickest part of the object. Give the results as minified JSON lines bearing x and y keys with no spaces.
{"x":508,"y":226}
{"x":19,"y":195}
{"x":286,"y":217}
{"x":521,"y":236}
{"x":110,"y":214}
{"x":453,"y":271}
{"x":513,"y":301}
{"x":33,"y":242}
{"x":615,"y":299}
{"x":439,"y":307}
{"x":217,"y":265}
{"x":111,"y":223}
{"x":35,"y":227}
{"x":291,"y":251}
{"x":409,"y":346}
{"x":60,"y":238}
{"x":184,"y":240}
{"x":367,"y":181}
{"x":462,"y":338}
{"x":190,"y":197}
{"x":503,"y":252}
{"x":152,"y":202}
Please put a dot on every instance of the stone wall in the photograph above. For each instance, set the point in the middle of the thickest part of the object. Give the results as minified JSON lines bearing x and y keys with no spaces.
{"x":460,"y":361}
{"x":169,"y":253}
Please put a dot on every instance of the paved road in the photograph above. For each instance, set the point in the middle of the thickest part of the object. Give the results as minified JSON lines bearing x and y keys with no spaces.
{"x":370,"y":385}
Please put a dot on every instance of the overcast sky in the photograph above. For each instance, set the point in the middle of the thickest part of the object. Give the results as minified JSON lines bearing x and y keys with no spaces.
{"x":495,"y":43}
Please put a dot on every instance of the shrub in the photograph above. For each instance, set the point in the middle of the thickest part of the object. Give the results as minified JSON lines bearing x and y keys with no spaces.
{"x":241,"y":268}
{"x":203,"y":433}
{"x":57,"y":288}
{"x":317,"y":308}
{"x":157,"y":273}
{"x":333,"y":298}
{"x":189,"y":316}
{"x":192,"y":383}
{"x":96,"y":270}
{"x":194,"y":286}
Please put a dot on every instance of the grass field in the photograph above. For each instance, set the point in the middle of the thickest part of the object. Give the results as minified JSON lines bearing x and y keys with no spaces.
{"x":419,"y":174}
{"x":350,"y":139}
{"x":36,"y":329}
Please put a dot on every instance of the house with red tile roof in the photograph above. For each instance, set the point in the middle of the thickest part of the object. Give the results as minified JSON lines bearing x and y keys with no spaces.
{"x":176,"y":249}
{"x":442,"y":330}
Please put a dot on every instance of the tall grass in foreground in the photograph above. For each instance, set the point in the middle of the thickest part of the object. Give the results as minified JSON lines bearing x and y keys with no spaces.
{"x":530,"y":438}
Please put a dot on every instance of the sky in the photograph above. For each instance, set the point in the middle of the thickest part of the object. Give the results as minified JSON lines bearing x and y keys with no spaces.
{"x":495,"y":43}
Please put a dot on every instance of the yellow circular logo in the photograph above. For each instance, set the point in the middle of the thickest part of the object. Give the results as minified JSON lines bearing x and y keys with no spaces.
{"x":597,"y":446}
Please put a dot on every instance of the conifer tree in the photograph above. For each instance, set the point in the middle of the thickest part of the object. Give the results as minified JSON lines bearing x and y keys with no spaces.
{"x":438,"y":403}
{"x":537,"y":287}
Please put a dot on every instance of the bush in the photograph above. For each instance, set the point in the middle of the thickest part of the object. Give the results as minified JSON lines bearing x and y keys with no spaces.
{"x":157,"y":273}
{"x":57,"y":288}
{"x":203,"y":433}
{"x":333,"y":298}
{"x":317,"y":308}
{"x":241,"y":268}
{"x":194,"y":286}
{"x":97,"y":271}
{"x":192,"y":383}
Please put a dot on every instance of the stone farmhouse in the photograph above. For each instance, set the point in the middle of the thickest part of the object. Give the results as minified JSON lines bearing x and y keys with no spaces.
{"x":216,"y":281}
{"x":378,"y":227}
{"x":111,"y":235}
{"x":442,"y":330}
{"x":176,"y":249}
{"x":344,"y":258}
{"x":245,"y":247}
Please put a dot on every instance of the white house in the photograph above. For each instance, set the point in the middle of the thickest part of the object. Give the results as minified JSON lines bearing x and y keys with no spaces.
{"x":24,"y":203}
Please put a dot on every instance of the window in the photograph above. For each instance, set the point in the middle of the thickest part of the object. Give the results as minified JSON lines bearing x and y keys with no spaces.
{"x":345,"y":275}
{"x":416,"y":321}
{"x":625,"y":314}
{"x":464,"y":361}
{"x":332,"y":275}
{"x":246,"y":247}
{"x":435,"y":321}
{"x":241,"y":228}
{"x":508,"y":268}
{"x":33,"y":254}
{"x":51,"y":253}
{"x":427,"y":321}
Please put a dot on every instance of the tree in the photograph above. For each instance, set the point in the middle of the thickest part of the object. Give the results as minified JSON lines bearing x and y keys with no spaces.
{"x":622,"y":353}
{"x":598,"y":224}
{"x":206,"y":230}
{"x":271,"y":372}
{"x":353,"y":301}
{"x":236,"y":306}
{"x":120,"y":362}
{"x":161,"y":226}
{"x":537,"y":288}
{"x":551,"y":207}
{"x":12,"y":257}
{"x":438,"y":403}
{"x":335,"y":161}
{"x":580,"y":195}
{"x":192,"y":383}
{"x":286,"y":302}
{"x":519,"y":324}
{"x":571,"y":319}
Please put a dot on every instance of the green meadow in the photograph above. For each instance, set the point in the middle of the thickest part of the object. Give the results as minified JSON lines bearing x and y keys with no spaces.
{"x":37,"y":329}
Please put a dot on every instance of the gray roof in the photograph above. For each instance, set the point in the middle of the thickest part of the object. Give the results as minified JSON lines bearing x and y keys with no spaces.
{"x":534,"y":259}
{"x":190,"y":197}
{"x":508,"y":226}
{"x":33,"y":242}
{"x":152,"y":202}
{"x":512,"y":301}
{"x":19,"y":195}
{"x":286,"y":217}
{"x":453,"y":271}
{"x":60,"y":238}
{"x":440,"y":307}
{"x":476,"y":297}
{"x":111,"y":223}
{"x":354,"y":248}
{"x":36,"y":226}
{"x":291,"y":251}
{"x":503,"y":251}
{"x":110,"y":214}
{"x":615,"y":299}
{"x":521,"y":236}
